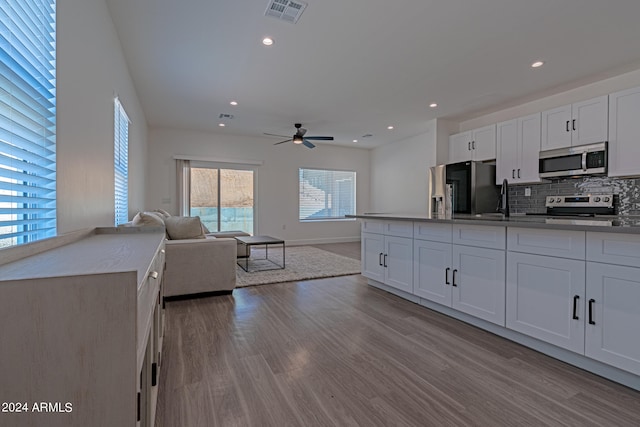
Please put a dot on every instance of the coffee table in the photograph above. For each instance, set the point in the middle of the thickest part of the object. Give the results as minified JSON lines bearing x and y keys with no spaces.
{"x":266,"y":241}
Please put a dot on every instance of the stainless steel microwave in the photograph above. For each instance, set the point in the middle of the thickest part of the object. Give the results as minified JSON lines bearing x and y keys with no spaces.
{"x":574,"y":161}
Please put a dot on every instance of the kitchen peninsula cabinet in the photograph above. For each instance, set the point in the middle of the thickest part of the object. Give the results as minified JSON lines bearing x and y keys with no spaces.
{"x":546,"y":285}
{"x":81,"y":327}
{"x":613,"y":298}
{"x":467,"y":277}
{"x":477,"y":144}
{"x":569,"y":290}
{"x":518,"y":147}
{"x":580,"y":123}
{"x":624,"y":128}
{"x":387,"y":253}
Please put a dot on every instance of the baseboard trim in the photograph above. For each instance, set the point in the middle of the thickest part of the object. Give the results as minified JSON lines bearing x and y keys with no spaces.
{"x":198,"y":295}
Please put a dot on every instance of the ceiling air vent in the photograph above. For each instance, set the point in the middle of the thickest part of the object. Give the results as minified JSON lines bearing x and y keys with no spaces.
{"x":225,"y":116}
{"x":285,"y":10}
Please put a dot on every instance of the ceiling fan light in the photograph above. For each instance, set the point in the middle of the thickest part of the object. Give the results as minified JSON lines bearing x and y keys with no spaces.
{"x":297,"y":139}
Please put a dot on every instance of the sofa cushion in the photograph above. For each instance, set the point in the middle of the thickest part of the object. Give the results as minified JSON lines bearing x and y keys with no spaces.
{"x":147,"y":219}
{"x":184,"y":227}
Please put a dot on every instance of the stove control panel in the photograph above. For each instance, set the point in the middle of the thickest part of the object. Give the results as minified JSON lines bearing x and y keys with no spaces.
{"x":581,"y":201}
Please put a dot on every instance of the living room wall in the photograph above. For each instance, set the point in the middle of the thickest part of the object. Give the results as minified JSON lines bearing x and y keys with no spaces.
{"x":91,"y":71}
{"x":277,"y":179}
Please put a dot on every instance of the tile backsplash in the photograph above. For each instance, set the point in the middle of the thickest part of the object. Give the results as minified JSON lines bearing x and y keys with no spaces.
{"x":627,"y":192}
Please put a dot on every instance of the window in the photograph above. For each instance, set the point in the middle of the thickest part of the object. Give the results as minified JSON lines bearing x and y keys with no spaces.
{"x":326,"y":194}
{"x":222,"y":198}
{"x":121,"y":162}
{"x":27,"y":121}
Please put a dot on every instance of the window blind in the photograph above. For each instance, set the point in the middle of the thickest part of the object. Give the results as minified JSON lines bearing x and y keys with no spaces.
{"x":121,"y":163}
{"x":27,"y":121}
{"x":326,"y":194}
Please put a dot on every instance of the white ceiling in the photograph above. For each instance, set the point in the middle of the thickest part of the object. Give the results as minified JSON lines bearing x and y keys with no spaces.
{"x":353,"y":67}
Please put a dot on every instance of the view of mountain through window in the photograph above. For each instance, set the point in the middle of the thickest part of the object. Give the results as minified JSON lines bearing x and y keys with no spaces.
{"x":223,"y":198}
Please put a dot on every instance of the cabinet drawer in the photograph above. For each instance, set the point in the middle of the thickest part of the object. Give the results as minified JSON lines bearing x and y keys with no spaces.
{"x":372,"y":226}
{"x":613,"y":248}
{"x":479,"y":235}
{"x":558,"y":243}
{"x":434,"y":232}
{"x":398,"y":228}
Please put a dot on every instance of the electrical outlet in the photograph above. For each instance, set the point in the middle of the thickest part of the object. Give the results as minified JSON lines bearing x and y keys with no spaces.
{"x":527,"y":192}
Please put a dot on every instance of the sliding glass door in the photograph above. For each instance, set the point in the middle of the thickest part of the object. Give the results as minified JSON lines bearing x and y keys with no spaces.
{"x":223,"y":198}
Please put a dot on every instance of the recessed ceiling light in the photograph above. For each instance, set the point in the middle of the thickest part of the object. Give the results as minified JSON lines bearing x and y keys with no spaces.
{"x":355,"y":140}
{"x":267,"y":41}
{"x":433,"y":105}
{"x":234,"y":103}
{"x":537,"y":64}
{"x":390,"y":127}
{"x":221,"y":125}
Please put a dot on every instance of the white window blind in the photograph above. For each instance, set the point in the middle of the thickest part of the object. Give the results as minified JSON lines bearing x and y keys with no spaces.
{"x":121,"y":162}
{"x":326,"y":194}
{"x":27,"y":121}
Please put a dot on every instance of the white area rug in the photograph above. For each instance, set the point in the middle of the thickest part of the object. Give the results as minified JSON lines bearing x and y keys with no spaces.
{"x":302,"y":263}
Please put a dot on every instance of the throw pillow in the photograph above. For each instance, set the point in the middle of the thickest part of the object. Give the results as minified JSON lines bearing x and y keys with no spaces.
{"x":147,"y":219}
{"x":163,"y":213}
{"x":184,"y":227}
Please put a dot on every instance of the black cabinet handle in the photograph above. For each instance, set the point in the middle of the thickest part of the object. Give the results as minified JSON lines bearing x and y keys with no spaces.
{"x":380,"y":259}
{"x":575,"y":307}
{"x":454,"y":277}
{"x":513,"y":173}
{"x":385,"y":260}
{"x":567,"y":127}
{"x":573,"y":125}
{"x":469,"y":146}
{"x":473,"y":145}
{"x":446,"y":276}
{"x":591,"y":302}
{"x":518,"y":173}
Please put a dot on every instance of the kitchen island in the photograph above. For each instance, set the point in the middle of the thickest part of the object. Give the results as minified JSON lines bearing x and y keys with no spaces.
{"x":568,"y":287}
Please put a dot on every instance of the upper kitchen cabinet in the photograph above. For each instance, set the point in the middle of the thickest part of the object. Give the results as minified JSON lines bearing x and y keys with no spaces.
{"x":576,"y":124}
{"x":624,"y":132}
{"x":478,"y":144}
{"x":518,"y":146}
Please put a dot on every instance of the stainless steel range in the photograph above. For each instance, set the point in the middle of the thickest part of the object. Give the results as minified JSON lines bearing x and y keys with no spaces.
{"x":580,"y":205}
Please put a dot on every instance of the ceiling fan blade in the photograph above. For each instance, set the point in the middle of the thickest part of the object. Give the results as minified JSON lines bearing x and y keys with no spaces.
{"x":320,"y":138}
{"x":273,"y":134}
{"x":282,"y":142}
{"x":307,"y":143}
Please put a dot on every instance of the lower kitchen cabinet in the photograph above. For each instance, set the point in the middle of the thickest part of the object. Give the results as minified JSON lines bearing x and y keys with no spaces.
{"x":388,"y":259}
{"x":467,"y":278}
{"x":546,"y":299}
{"x":613,"y":317}
{"x":477,"y":281}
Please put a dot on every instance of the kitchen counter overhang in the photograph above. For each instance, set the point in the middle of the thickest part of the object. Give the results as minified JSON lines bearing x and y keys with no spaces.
{"x":603,"y":223}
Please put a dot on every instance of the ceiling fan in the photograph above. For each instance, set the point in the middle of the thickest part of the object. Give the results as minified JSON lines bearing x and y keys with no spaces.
{"x":299,"y":138}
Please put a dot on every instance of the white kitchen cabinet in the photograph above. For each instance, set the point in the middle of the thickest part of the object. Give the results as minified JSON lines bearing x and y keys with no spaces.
{"x":576,"y":124}
{"x":432,"y":265}
{"x":467,"y":278}
{"x":372,"y":250}
{"x":624,"y":132}
{"x":477,"y":144}
{"x":613,"y":315}
{"x":518,"y":147}
{"x":478,"y":282}
{"x":546,"y":298}
{"x":388,"y":258}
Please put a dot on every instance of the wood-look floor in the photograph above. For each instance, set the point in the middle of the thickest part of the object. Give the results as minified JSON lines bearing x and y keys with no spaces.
{"x":337,"y":352}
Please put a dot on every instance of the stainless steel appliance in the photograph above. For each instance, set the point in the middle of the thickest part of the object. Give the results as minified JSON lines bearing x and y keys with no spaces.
{"x":574,"y":161}
{"x":580,"y":205}
{"x":472,"y":185}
